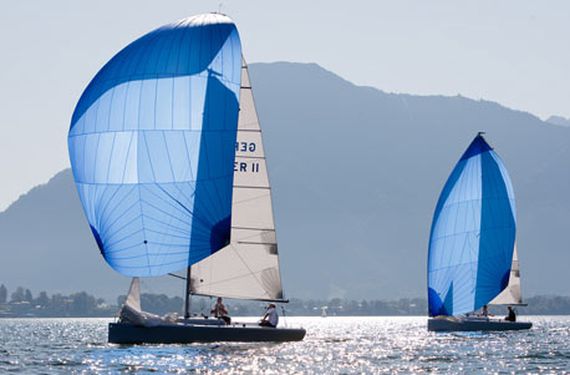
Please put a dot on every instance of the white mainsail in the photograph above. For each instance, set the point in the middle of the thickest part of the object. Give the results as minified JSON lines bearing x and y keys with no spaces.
{"x":511,"y":295}
{"x":248,"y":268}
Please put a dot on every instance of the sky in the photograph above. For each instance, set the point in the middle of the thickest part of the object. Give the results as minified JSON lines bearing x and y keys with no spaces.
{"x":510,"y":51}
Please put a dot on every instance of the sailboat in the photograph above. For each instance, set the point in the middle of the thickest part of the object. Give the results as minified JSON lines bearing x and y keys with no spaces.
{"x":472,"y":260}
{"x":167,"y":155}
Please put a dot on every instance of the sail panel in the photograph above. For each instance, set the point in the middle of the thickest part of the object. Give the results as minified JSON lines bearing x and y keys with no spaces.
{"x":152,"y":146}
{"x":249,"y":267}
{"x":472,"y":236}
{"x":133,"y":299}
{"x":512,"y":294}
{"x":244,"y":271}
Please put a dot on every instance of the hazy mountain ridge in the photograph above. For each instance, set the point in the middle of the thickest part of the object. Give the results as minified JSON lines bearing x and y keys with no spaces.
{"x":558,"y":120}
{"x":355,"y":174}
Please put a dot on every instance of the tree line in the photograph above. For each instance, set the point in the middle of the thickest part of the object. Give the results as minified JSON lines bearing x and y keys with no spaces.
{"x":21,"y":303}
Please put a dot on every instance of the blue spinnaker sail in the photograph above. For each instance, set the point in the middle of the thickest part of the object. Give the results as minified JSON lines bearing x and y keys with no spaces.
{"x":152,"y":146}
{"x":472,"y":234}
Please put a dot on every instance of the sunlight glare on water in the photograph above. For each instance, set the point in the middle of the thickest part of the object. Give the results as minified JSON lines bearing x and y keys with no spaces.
{"x":332,"y":345}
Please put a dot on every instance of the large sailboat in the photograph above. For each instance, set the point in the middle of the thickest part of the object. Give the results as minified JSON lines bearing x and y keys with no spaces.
{"x":167,"y":155}
{"x":472,"y":259}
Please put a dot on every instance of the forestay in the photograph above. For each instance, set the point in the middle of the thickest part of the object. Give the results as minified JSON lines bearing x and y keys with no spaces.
{"x":151,"y":146}
{"x":249,"y":267}
{"x":473,"y":234}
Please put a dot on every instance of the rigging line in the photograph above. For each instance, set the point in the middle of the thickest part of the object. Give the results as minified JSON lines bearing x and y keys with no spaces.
{"x":209,"y":213}
{"x":183,"y":206}
{"x":165,"y":201}
{"x":191,"y":187}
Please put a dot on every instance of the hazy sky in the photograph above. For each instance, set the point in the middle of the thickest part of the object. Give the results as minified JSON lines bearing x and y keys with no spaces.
{"x":511,"y":51}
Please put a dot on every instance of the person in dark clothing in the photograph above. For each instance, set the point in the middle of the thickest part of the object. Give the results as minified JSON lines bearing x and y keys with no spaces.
{"x":511,"y":316}
{"x":220,"y":311}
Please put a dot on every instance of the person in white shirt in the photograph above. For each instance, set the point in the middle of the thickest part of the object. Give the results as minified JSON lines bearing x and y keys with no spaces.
{"x":270,"y":318}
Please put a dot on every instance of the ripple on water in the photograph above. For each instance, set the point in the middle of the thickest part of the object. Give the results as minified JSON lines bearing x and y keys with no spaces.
{"x":332,"y":345}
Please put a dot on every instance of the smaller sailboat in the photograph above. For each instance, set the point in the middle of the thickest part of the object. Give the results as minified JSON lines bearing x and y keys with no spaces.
{"x":472,"y":260}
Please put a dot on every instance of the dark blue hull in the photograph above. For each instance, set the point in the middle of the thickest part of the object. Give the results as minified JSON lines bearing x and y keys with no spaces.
{"x":450,"y":324}
{"x":121,"y":333}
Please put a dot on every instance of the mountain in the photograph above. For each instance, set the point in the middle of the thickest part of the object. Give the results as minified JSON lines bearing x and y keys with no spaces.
{"x":558,"y":120}
{"x":355,"y":174}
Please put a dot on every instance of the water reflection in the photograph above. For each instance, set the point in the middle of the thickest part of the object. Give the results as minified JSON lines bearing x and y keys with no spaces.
{"x":332,"y":345}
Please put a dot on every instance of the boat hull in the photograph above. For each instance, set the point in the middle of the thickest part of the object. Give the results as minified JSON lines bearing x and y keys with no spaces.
{"x":465,"y":325}
{"x":121,"y":333}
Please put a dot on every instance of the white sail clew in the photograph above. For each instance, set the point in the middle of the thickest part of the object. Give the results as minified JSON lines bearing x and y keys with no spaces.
{"x":248,"y":268}
{"x":511,"y":295}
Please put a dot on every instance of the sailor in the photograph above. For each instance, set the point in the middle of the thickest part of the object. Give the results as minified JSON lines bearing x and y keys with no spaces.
{"x":485,"y":311}
{"x":220,"y":311}
{"x":511,"y":315}
{"x":270,"y":318}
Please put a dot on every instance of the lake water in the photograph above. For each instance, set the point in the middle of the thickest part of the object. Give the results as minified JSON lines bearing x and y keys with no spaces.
{"x":332,"y":345}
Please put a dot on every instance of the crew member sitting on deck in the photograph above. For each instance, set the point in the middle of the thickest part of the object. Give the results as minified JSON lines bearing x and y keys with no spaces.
{"x":485,"y":311}
{"x":511,"y":315}
{"x":220,"y":311}
{"x":270,"y":318}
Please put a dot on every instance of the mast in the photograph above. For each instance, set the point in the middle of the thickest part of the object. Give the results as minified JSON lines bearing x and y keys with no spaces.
{"x":248,"y":267}
{"x":188,"y":297}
